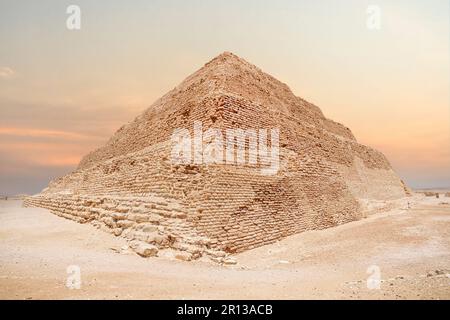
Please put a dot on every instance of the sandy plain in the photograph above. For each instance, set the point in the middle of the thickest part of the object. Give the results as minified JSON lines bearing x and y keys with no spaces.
{"x":406,"y":251}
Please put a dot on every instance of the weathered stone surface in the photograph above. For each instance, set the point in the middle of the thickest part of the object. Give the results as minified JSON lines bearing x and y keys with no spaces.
{"x":146,"y":250}
{"x":131,"y":188}
{"x":431,"y":194}
{"x":229,"y":261}
{"x":183,"y":256}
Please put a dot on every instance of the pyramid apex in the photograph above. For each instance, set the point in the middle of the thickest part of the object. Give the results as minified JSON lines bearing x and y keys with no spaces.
{"x":226,"y":56}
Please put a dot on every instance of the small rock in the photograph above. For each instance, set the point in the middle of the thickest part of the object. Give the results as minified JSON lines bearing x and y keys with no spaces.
{"x":217,"y":259}
{"x":146,"y":250}
{"x":116,"y":250}
{"x":229,"y":261}
{"x":183,"y":256}
{"x":156,"y":238}
{"x":125,"y":250}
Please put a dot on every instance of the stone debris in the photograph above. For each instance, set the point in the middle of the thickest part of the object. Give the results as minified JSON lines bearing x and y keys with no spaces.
{"x":131,"y":188}
{"x":146,"y":250}
{"x":229,"y":261}
{"x":116,"y":250}
{"x":183,"y":256}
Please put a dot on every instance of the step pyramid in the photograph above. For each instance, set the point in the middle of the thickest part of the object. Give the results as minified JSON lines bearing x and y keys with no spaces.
{"x":134,"y":187}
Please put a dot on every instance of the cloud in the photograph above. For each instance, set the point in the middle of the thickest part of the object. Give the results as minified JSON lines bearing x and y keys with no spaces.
{"x":41,"y":141}
{"x":28,"y":167}
{"x":87,"y":120}
{"x":30,"y":132}
{"x":6,"y":72}
{"x":17,"y":156}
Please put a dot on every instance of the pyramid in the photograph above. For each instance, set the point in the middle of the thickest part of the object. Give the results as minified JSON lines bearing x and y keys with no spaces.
{"x":133,"y":187}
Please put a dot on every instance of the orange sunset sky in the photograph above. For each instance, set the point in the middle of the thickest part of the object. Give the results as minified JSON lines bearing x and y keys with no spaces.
{"x":65,"y":92}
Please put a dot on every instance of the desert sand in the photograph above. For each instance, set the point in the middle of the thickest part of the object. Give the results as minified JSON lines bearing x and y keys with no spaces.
{"x":410,"y":245}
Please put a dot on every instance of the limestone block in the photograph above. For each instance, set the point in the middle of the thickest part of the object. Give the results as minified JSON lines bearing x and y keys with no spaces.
{"x":146,"y":250}
{"x":184,"y":256}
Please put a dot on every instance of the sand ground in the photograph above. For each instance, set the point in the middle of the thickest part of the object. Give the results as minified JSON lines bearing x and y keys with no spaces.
{"x":409,"y":247}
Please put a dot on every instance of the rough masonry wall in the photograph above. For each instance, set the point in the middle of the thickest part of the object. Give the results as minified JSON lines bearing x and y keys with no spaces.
{"x":195,"y":208}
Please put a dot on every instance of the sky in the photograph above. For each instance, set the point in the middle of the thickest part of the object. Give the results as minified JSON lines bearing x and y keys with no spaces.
{"x":64,"y":92}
